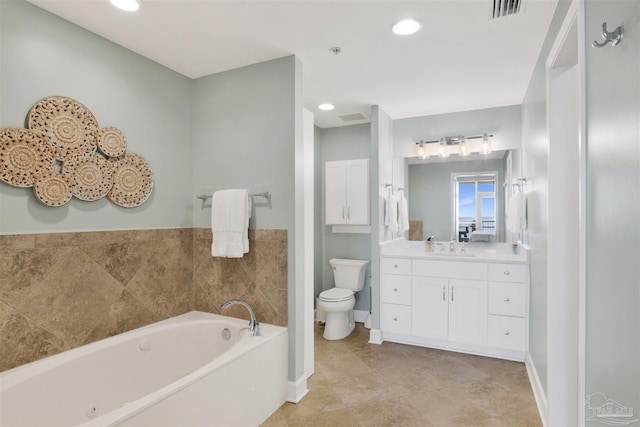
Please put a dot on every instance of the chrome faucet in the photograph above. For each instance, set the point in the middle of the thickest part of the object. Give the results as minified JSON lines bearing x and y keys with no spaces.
{"x":452,"y":247}
{"x":253,"y":323}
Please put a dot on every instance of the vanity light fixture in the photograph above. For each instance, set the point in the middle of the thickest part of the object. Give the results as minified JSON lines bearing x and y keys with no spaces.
{"x":443,"y":150}
{"x":407,"y":27}
{"x":466,"y":145}
{"x":485,"y":146}
{"x":422,"y":151}
{"x":128,"y":5}
{"x":463,"y":150}
{"x":326,"y":107}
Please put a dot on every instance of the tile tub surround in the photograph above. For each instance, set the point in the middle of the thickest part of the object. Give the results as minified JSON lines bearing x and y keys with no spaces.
{"x":61,"y":290}
{"x":260,"y":277}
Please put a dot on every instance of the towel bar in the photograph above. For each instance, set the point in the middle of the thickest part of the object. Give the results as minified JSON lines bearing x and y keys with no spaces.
{"x":265,"y":194}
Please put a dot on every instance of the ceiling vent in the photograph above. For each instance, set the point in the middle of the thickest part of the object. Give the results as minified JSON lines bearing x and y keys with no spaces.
{"x":503,"y":8}
{"x":352,"y":117}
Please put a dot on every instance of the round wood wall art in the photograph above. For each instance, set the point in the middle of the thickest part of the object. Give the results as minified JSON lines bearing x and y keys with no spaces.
{"x":70,"y":126}
{"x":24,"y":155}
{"x":112,"y":142}
{"x":90,"y":175}
{"x":132,"y":181}
{"x":53,"y":190}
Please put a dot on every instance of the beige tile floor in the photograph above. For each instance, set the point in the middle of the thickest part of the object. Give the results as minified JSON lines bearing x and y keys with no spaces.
{"x":361,"y":384}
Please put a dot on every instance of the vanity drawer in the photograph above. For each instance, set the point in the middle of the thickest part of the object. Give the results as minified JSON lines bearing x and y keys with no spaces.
{"x":396,"y":266}
{"x":507,"y":332}
{"x":396,"y":289}
{"x":450,"y":269}
{"x":396,"y":319}
{"x":508,"y":299}
{"x":508,"y":273}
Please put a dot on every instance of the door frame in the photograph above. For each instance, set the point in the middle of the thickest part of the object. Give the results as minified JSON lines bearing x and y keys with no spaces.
{"x":565,"y":389}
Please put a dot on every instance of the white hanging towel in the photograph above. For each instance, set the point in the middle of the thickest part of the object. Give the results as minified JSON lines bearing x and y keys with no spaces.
{"x":403,"y":214}
{"x":392,"y":204}
{"x":230,"y":212}
{"x":517,"y":213}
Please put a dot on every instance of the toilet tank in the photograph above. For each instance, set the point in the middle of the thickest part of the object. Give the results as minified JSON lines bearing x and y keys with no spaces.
{"x":349,"y":273}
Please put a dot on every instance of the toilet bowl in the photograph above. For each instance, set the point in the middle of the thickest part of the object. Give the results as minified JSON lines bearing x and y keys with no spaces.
{"x":338,"y":302}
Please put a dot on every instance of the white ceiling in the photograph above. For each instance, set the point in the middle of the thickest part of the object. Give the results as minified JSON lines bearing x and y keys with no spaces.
{"x":461,"y":60}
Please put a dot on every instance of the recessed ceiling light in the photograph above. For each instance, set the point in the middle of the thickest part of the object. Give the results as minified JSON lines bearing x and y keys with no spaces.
{"x":326,"y":107}
{"x":407,"y":26}
{"x":128,"y":5}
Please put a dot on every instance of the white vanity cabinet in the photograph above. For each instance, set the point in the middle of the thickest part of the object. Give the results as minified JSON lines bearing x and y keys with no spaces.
{"x":450,"y":301}
{"x":347,"y":192}
{"x":508,"y":301}
{"x":477,"y":307}
{"x":395,"y":294}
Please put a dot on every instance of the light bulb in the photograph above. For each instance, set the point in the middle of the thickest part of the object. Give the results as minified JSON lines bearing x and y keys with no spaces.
{"x":485,"y":147}
{"x":462,"y":147}
{"x":422,"y":153}
{"x":443,"y":149}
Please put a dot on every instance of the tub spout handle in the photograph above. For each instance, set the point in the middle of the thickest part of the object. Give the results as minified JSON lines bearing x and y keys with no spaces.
{"x":254,"y":326}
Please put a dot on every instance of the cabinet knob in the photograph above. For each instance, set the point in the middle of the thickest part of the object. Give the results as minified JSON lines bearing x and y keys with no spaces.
{"x":507,"y":333}
{"x":395,"y":265}
{"x":506,"y":273}
{"x":507,"y":299}
{"x":395,"y":319}
{"x":395,"y":290}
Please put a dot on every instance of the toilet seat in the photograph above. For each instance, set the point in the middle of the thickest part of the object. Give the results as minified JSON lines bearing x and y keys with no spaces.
{"x":336,"y":295}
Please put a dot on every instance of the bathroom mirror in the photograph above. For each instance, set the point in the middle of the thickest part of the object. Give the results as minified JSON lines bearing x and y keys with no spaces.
{"x":460,"y":198}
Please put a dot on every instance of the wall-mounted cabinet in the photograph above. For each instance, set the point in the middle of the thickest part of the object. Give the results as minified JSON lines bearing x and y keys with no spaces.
{"x":347,"y":192}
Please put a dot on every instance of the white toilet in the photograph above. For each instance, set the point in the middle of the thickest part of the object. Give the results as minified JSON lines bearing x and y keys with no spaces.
{"x":338,"y":302}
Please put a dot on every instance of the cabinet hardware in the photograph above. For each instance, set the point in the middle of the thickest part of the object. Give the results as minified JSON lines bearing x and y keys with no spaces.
{"x":451,"y":293}
{"x":395,"y":319}
{"x":506,"y":273}
{"x":349,"y":212}
{"x":343,"y":212}
{"x":444,"y":298}
{"x":507,"y":299}
{"x":507,"y":333}
{"x":395,"y":290}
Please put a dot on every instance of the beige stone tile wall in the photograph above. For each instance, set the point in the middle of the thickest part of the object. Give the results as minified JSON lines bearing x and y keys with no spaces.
{"x":62,"y":290}
{"x":260,"y":277}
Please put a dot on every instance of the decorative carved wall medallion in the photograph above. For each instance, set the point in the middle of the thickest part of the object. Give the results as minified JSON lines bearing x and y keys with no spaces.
{"x":53,"y":190}
{"x":112,"y":142}
{"x":24,"y":155}
{"x":132,"y":181}
{"x":63,"y":129}
{"x":70,"y":126}
{"x":90,"y":174}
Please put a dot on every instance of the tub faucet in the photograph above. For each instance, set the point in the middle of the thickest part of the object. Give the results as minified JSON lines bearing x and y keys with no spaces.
{"x":253,"y":323}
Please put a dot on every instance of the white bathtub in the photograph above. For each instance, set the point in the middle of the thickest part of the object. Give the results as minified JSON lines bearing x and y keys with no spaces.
{"x":178,"y":372}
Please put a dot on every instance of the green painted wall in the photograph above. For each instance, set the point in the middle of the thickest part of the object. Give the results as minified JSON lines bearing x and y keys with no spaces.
{"x":43,"y":55}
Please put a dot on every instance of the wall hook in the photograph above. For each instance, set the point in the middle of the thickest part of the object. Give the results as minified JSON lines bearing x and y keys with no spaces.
{"x":612,"y":38}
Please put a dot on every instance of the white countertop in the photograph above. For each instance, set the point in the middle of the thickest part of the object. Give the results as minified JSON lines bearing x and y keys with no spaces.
{"x":492,"y":252}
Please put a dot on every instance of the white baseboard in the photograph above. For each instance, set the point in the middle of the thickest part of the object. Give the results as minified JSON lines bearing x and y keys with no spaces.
{"x":536,"y":386}
{"x":297,"y":390}
{"x":375,"y":336}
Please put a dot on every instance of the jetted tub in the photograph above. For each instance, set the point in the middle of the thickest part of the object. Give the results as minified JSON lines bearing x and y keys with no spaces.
{"x":197,"y":369}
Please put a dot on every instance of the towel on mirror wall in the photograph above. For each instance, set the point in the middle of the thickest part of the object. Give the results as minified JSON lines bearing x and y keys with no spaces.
{"x":516,"y":215}
{"x":230,"y":212}
{"x":393,"y":213}
{"x":403,"y":214}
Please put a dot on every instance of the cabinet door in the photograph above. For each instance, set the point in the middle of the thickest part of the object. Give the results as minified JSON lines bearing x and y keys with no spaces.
{"x":429,"y":308}
{"x":468,"y":311}
{"x":335,"y":175}
{"x":358,"y":192}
